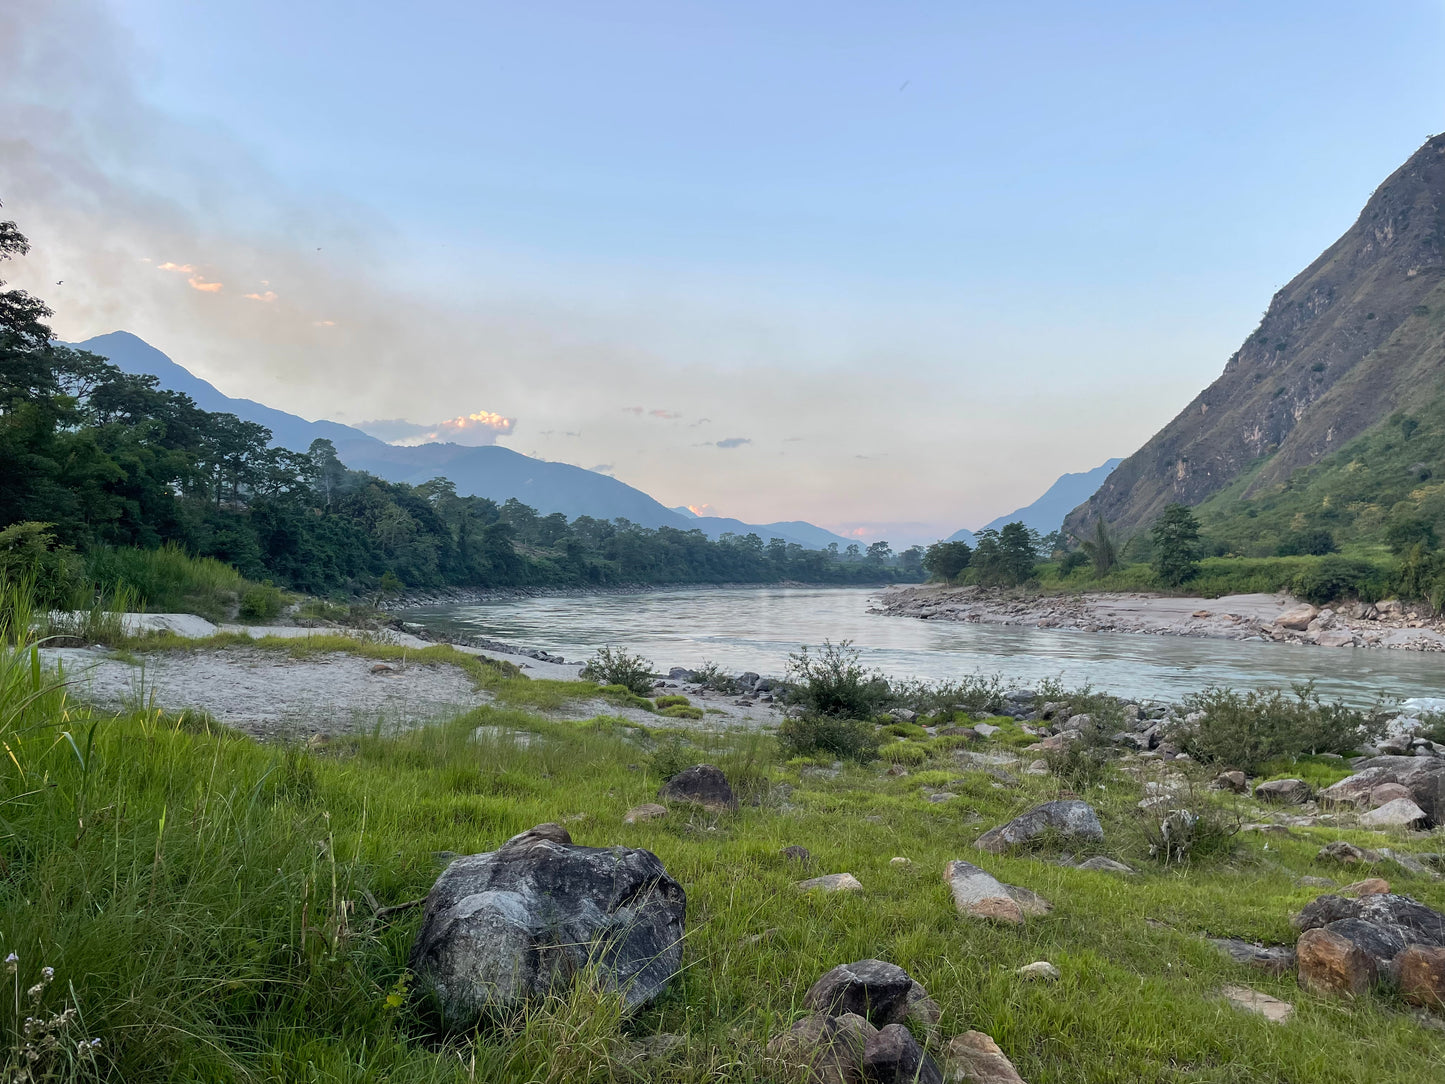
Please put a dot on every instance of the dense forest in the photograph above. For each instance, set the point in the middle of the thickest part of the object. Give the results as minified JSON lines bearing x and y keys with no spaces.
{"x":106,"y":460}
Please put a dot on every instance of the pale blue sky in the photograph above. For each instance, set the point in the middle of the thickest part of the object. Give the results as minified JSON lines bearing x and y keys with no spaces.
{"x":925,"y":257}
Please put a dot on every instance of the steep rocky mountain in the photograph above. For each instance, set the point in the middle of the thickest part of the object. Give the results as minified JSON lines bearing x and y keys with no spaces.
{"x":1354,"y":339}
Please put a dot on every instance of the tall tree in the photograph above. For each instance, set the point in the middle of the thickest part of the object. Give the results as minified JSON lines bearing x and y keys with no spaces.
{"x":1175,"y":535}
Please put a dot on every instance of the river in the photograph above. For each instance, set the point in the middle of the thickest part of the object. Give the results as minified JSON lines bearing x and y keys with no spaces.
{"x":756,"y":628}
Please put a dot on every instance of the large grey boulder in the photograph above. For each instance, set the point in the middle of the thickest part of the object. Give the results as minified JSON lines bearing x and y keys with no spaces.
{"x":505,"y":927}
{"x":703,"y":785}
{"x":893,"y":1056}
{"x":1070,"y":820}
{"x":1398,"y":813}
{"x":1423,"y":777}
{"x":1283,"y":791}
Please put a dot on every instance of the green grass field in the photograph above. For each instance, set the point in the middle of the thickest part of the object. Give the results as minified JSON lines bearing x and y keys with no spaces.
{"x":208,"y":904}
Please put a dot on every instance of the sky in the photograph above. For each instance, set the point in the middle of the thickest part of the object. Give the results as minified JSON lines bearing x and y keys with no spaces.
{"x":891,"y":269}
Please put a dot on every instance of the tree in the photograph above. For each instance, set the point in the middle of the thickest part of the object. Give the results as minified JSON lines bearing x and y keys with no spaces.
{"x":911,"y":560}
{"x":1101,"y":549}
{"x":880,"y":552}
{"x":1006,"y":558}
{"x":1175,"y":535}
{"x":945,"y":560}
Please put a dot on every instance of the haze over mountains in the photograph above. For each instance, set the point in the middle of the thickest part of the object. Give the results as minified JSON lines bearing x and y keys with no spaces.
{"x":1047,"y":513}
{"x":1355,"y":340}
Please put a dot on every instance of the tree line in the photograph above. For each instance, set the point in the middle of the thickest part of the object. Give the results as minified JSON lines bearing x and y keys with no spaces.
{"x":104,"y":458}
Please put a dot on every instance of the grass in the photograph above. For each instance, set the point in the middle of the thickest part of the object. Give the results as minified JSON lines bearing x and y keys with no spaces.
{"x":206,"y":902}
{"x":169,"y":580}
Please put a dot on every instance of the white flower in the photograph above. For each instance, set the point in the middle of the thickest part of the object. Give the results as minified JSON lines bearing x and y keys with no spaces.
{"x":47,"y":973}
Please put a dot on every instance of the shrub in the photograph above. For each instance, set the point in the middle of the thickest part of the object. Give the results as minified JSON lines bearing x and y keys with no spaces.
{"x":674,"y":701}
{"x":672,"y":756}
{"x":834,"y":682}
{"x":1314,"y":542}
{"x":810,"y":735}
{"x":262,"y":602}
{"x":29,"y":553}
{"x":1229,"y":730}
{"x":1339,"y":577}
{"x":710,"y":676}
{"x":613,"y":666}
{"x":904,"y":752}
{"x":1190,"y":828}
{"x":681,"y":711}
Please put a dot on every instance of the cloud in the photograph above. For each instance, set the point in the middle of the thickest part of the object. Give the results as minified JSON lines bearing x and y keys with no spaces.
{"x":471,"y":430}
{"x":323,"y":323}
{"x":666,"y":414}
{"x":392,"y":430}
{"x":268,"y":296}
{"x":702,"y":509}
{"x":185,"y":268}
{"x":601,"y":468}
{"x":198,"y":283}
{"x":632,"y":410}
{"x":733,"y":442}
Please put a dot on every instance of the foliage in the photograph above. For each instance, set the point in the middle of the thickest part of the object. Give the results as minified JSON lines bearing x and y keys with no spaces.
{"x":834,"y":682}
{"x":944,"y":561}
{"x":1308,"y":541}
{"x":813,"y":735}
{"x":1336,"y":578}
{"x":1227,"y":729}
{"x":903,"y":752}
{"x":615,"y":666}
{"x":1101,"y":549}
{"x":1175,"y":536}
{"x":262,"y":602}
{"x":1190,"y":827}
{"x":1005,"y":558}
{"x":710,"y":676}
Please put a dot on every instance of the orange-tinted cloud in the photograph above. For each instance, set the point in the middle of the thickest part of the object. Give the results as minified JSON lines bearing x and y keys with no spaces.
{"x":667,"y":414}
{"x":269,"y":295}
{"x":182,"y":267}
{"x":198,"y":283}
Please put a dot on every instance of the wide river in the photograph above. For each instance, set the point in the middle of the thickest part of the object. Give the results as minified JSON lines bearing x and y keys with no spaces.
{"x":756,"y":628}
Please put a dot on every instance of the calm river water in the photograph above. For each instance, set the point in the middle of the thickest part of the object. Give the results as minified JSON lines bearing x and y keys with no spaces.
{"x":756,"y":629}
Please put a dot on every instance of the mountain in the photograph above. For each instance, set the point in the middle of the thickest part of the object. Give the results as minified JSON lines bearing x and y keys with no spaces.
{"x":794,"y":530}
{"x":1355,"y":340}
{"x":1048,"y":512}
{"x":489,"y":471}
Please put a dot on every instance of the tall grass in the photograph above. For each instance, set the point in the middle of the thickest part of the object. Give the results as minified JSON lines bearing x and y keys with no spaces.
{"x":169,"y":580}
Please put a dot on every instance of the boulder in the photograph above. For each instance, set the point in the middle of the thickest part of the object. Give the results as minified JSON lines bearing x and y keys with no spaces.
{"x":1414,"y":922}
{"x":701,"y":785}
{"x":1422,"y":776}
{"x":514,"y":924}
{"x":1283,"y":791}
{"x":1297,"y":618}
{"x":1330,"y":963}
{"x":1385,"y":793}
{"x":873,"y":989}
{"x":975,"y":1058}
{"x":797,"y":854}
{"x":832,"y":882}
{"x":1038,"y":971}
{"x":1274,"y":959}
{"x":1271,"y":1008}
{"x":1343,"y":851}
{"x":1421,"y":971}
{"x":892,"y":1056}
{"x":978,"y":894}
{"x":1236,"y":782}
{"x":1071,"y":820}
{"x":1100,"y":864}
{"x":923,"y":1013}
{"x":649,"y":811}
{"x":1399,"y":813}
{"x":1370,"y":886}
{"x":828,"y":1049}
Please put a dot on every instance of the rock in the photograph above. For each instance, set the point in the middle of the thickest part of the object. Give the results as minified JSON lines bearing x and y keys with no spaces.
{"x":942,"y":796}
{"x":892,"y":1056}
{"x":1334,"y":638}
{"x":1413,"y":921}
{"x":1283,"y":791}
{"x":828,"y":1049}
{"x":1297,"y":618}
{"x":978,"y":894}
{"x":986,"y":730}
{"x":1330,"y":963}
{"x":1343,"y":851}
{"x":1274,"y":959}
{"x":382,"y":668}
{"x":1038,"y":971}
{"x":1271,"y":1008}
{"x":1423,"y":776}
{"x":678,"y":673}
{"x":923,"y":1013}
{"x":1411,"y":862}
{"x":1237,"y":782}
{"x":1399,"y":813}
{"x":702,"y":785}
{"x":873,"y":989}
{"x":797,"y":854}
{"x":899,"y":861}
{"x":1384,"y":793}
{"x":1101,"y":864}
{"x":1421,"y":970}
{"x":975,"y":1058}
{"x":517,"y":923}
{"x":1073,"y":820}
{"x":647,"y":812}
{"x":1315,"y":882}
{"x":832,"y":882}
{"x":1371,"y":886}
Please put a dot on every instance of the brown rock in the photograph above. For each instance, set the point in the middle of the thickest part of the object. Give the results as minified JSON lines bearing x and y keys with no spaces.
{"x":1343,"y":851}
{"x":975,"y":1058}
{"x":382,"y":668}
{"x":650,"y":811}
{"x":1370,"y":886}
{"x":1271,"y":1008}
{"x":1386,"y":792}
{"x":1297,"y":618}
{"x":893,"y":1056}
{"x":1283,"y":791}
{"x":1332,"y":964}
{"x":874,"y":989}
{"x":1422,"y":975}
{"x":549,"y":832}
{"x":797,"y":854}
{"x":1237,"y":782}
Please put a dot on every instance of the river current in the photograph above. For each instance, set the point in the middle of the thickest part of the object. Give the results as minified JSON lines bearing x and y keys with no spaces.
{"x":756,"y":628}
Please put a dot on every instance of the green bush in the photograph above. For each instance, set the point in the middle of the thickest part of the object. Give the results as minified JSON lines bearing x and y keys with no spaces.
{"x":672,"y":756}
{"x":1334,"y":578}
{"x":168,"y":580}
{"x":262,"y":602}
{"x":1190,"y":828}
{"x":846,"y":739}
{"x":1247,"y":731}
{"x":673,"y":701}
{"x":681,"y":711}
{"x":834,"y":682}
{"x":55,"y":575}
{"x":613,"y":666}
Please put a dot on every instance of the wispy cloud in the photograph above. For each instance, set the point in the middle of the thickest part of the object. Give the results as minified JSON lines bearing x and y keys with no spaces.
{"x":472,"y":430}
{"x":702,"y":509}
{"x":733,"y":442}
{"x":198,"y":283}
{"x":323,"y":323}
{"x":633,"y":410}
{"x":665,"y":414}
{"x":184,"y":268}
{"x":268,"y":296}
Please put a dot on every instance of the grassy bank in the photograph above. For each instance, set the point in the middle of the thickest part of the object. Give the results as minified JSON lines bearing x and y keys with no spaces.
{"x":209,"y":905}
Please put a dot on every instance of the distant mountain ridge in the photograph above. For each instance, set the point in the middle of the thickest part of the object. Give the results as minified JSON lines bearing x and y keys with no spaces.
{"x":488,"y":471}
{"x":1047,"y":513}
{"x":1354,"y":338}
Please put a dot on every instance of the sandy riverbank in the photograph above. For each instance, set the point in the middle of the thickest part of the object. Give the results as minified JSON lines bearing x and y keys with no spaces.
{"x":1276,"y":617}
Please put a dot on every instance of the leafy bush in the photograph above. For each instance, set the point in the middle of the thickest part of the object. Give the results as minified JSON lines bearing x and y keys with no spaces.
{"x":904,"y":752}
{"x":834,"y":682}
{"x":613,"y":666}
{"x":1229,"y":730}
{"x":1339,"y":577}
{"x":710,"y":676}
{"x":1190,"y":828}
{"x":30,"y":554}
{"x":672,"y":756}
{"x":811,"y":735}
{"x":169,"y":580}
{"x":262,"y":602}
{"x":1313,"y":541}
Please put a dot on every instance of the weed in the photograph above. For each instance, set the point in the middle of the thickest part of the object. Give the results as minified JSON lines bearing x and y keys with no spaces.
{"x":809,"y":735}
{"x":614,"y":666}
{"x":834,"y":682}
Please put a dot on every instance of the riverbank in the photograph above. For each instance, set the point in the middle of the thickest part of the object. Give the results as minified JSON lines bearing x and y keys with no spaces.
{"x":1259,"y":617}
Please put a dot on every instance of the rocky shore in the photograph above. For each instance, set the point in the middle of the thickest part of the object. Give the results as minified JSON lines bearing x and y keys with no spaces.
{"x":1276,"y":617}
